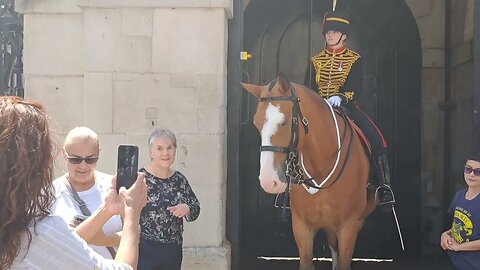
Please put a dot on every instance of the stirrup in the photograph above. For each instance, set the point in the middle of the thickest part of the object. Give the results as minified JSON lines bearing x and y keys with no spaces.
{"x":387,"y":189}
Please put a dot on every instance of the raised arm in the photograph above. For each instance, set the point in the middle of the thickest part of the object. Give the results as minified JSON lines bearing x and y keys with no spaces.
{"x":130,"y":203}
{"x":101,"y":239}
{"x":134,"y":200}
{"x":91,"y":229}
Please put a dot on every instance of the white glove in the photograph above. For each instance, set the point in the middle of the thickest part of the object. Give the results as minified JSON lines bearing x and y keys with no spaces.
{"x":335,"y":101}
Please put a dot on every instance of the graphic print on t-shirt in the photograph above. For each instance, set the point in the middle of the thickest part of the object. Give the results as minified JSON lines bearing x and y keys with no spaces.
{"x":462,"y":226}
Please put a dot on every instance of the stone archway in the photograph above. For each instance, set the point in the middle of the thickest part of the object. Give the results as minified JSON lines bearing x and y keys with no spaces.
{"x":281,"y":41}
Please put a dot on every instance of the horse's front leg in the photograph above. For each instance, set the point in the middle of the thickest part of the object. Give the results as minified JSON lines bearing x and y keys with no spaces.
{"x":333,"y":244}
{"x":304,"y":235}
{"x":346,"y":244}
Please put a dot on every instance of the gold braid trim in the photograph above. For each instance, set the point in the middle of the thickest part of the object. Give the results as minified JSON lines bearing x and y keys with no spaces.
{"x":349,"y":95}
{"x":336,"y":19}
{"x":332,"y":70}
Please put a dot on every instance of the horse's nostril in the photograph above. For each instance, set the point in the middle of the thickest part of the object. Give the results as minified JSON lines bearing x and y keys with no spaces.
{"x":281,"y":176}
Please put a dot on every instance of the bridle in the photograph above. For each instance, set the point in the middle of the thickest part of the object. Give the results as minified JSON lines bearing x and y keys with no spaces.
{"x":294,"y":171}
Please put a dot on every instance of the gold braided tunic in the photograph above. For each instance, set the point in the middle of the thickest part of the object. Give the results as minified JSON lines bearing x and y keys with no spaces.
{"x":332,"y":71}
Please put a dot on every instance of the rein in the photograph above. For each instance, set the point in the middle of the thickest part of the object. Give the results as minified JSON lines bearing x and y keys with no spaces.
{"x":313,"y":188}
{"x":296,"y":115}
{"x":295,"y":169}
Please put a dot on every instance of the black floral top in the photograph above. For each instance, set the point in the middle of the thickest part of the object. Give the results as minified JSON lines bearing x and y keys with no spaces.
{"x":157,"y":224}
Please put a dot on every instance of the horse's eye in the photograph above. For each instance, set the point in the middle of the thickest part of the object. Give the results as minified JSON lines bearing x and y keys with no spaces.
{"x":284,"y":123}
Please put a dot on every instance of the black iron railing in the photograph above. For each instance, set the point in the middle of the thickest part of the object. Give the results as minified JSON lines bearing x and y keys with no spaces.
{"x":11,"y":47}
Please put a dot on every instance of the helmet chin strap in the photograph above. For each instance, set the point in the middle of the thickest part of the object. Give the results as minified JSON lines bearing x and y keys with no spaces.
{"x":339,"y":39}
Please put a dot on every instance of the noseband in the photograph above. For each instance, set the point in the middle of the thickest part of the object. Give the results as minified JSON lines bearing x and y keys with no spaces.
{"x":293,"y":170}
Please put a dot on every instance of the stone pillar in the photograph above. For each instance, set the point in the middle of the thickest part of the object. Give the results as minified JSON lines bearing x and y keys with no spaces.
{"x":126,"y":67}
{"x":430,"y":18}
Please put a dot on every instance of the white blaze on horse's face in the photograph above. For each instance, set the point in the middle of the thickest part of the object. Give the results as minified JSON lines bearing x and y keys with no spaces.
{"x":269,"y":178}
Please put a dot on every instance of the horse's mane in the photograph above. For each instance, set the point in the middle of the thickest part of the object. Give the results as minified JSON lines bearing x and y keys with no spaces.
{"x":308,"y":90}
{"x":301,"y":90}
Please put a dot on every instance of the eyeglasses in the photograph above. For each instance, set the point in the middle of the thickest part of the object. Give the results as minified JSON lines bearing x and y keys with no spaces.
{"x":78,"y":160}
{"x":469,"y":170}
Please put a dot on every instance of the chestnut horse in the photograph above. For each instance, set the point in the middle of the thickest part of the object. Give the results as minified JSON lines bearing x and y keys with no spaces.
{"x":313,"y":153}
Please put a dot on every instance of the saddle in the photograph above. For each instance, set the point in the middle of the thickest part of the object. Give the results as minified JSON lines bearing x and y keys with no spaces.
{"x":342,"y":112}
{"x":360,"y":133}
{"x":379,"y":167}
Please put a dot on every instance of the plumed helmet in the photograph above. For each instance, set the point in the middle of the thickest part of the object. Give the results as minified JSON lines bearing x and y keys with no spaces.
{"x":337,"y":20}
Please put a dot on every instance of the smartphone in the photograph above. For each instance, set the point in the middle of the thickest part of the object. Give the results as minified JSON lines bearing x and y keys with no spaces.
{"x":79,"y":218}
{"x":127,"y":165}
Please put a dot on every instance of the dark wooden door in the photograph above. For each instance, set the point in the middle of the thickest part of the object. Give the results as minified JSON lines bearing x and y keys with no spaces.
{"x":282,"y":35}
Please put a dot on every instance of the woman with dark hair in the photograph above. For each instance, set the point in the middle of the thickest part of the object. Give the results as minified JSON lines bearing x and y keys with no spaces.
{"x":31,"y":237}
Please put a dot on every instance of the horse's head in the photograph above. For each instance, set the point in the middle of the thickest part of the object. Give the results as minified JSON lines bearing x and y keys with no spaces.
{"x":273,"y":120}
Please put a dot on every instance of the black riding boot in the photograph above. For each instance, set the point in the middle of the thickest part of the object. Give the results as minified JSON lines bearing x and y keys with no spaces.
{"x":384,"y":193}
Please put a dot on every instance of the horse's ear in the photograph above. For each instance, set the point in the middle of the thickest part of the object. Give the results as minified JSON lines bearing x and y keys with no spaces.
{"x":253,"y":89}
{"x":283,"y":82}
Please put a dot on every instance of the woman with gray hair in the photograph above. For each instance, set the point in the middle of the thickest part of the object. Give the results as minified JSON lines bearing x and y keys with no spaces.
{"x":170,"y":200}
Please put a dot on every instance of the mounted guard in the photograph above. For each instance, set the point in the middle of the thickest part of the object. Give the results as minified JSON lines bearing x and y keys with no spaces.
{"x":336,"y":74}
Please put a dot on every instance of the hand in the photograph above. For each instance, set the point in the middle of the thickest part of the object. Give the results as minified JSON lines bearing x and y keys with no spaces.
{"x":77,"y":220}
{"x":446,"y":241}
{"x":135,"y":198}
{"x":334,"y":101}
{"x":455,"y":246}
{"x":179,"y":210}
{"x":113,"y":203}
{"x":73,"y":224}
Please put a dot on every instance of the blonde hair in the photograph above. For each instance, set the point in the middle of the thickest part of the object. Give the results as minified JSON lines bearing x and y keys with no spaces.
{"x":81,"y":134}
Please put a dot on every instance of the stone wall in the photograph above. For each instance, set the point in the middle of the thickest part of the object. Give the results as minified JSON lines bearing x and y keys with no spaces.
{"x":124,"y":68}
{"x":461,"y":87}
{"x":430,"y":21}
{"x":430,"y":17}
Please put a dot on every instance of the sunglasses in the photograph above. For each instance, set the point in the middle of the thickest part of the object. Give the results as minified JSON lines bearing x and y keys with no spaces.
{"x":78,"y":160}
{"x":469,"y":170}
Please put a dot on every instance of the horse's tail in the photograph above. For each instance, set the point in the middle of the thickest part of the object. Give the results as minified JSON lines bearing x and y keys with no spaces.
{"x":371,"y":203}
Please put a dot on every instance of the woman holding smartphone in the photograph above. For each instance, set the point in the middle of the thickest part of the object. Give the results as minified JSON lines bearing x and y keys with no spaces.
{"x":83,"y":184}
{"x":31,"y":237}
